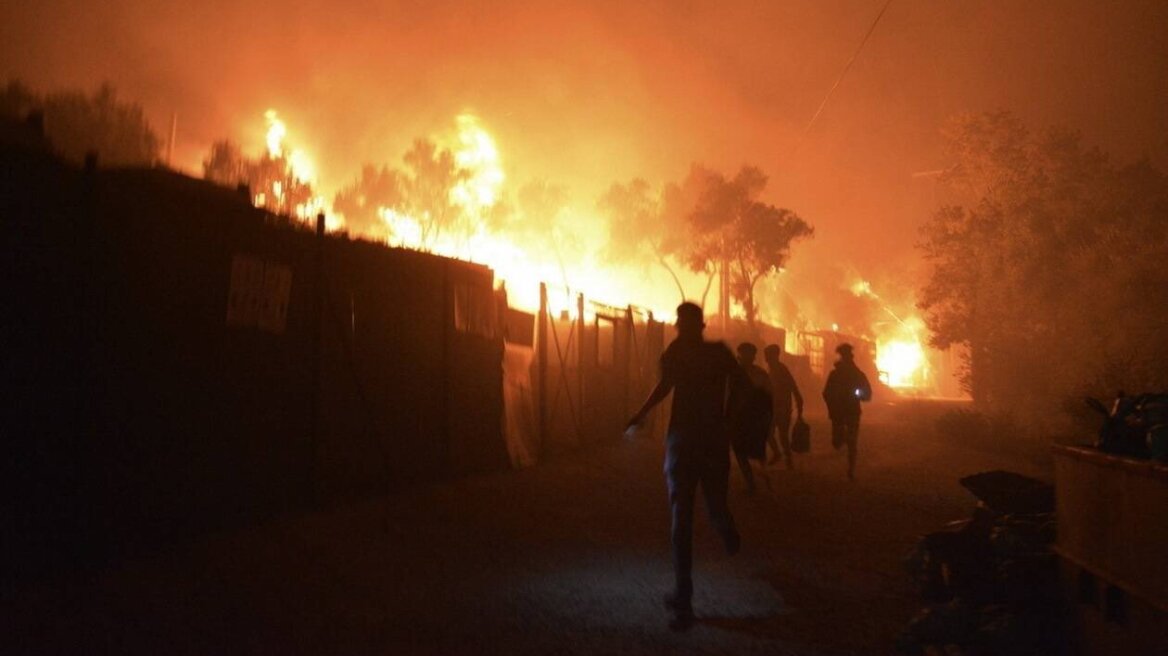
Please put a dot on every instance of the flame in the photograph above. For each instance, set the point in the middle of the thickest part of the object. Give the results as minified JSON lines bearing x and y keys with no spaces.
{"x":519,"y":268}
{"x":476,"y":153}
{"x":900,"y":354}
{"x":276,"y":133}
{"x":299,"y":167}
{"x":903,"y":361}
{"x":566,"y":255}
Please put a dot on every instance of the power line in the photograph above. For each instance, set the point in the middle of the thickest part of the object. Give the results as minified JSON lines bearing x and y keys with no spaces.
{"x":846,"y":67}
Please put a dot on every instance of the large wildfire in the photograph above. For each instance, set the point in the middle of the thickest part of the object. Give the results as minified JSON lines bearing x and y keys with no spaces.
{"x":567,"y":252}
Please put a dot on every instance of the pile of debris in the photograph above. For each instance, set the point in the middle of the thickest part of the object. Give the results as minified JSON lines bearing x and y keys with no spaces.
{"x":990,"y":582}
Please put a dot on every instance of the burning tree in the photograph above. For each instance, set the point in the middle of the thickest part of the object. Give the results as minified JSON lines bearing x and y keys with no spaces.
{"x":279,"y":181}
{"x":362,"y":201}
{"x":429,"y":183}
{"x":437,"y":193}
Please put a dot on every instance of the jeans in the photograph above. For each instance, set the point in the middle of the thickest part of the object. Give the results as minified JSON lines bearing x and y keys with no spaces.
{"x":688,"y":465}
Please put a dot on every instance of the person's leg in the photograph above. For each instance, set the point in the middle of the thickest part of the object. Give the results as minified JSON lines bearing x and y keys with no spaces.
{"x":853,"y":434}
{"x":682,"y":486}
{"x":747,"y":472}
{"x":715,"y":484}
{"x":772,"y":443}
{"x":783,"y":423}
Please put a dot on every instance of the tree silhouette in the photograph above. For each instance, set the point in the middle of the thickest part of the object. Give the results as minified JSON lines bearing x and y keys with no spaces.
{"x":731,"y":231}
{"x":1046,"y":267}
{"x":270,"y":180}
{"x":76,"y":124}
{"x":430,"y":175}
{"x":362,"y":200}
{"x":638,"y":225}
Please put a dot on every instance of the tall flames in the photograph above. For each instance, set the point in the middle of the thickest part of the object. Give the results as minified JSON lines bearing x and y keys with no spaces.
{"x":900,"y":354}
{"x":565,"y":252}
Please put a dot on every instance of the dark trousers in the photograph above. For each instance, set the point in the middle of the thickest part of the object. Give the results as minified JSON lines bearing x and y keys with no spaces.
{"x":845,"y":431}
{"x":783,"y":428}
{"x":685,"y":470}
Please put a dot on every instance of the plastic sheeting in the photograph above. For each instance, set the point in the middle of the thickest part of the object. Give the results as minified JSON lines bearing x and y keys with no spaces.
{"x":519,"y":423}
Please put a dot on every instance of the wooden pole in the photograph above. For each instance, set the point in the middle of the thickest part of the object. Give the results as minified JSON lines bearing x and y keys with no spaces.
{"x":631,"y":359}
{"x":580,"y":363}
{"x":541,"y":355}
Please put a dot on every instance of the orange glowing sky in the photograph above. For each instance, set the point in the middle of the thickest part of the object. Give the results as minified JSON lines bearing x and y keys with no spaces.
{"x":586,"y":93}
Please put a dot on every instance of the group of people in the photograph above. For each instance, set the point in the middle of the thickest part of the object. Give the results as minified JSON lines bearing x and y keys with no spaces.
{"x":761,"y":405}
{"x":719,"y":400}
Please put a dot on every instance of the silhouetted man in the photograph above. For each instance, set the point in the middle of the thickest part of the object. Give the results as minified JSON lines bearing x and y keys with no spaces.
{"x":783,"y":389}
{"x":697,"y":451}
{"x":846,"y":387}
{"x":752,"y":420}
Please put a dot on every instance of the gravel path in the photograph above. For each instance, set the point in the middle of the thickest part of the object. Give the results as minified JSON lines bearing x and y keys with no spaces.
{"x":570,"y":557}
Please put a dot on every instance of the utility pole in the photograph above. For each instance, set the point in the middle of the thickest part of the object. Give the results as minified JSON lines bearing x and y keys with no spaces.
{"x":170,"y":142}
{"x":315,"y":337}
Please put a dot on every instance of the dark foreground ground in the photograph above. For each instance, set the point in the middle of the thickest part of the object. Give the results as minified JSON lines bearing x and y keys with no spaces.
{"x":570,"y":557}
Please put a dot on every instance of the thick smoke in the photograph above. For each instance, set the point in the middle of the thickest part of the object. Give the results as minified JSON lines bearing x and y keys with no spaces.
{"x":585,"y":94}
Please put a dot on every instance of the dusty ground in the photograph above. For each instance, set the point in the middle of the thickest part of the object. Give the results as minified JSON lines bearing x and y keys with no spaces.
{"x":570,"y":557}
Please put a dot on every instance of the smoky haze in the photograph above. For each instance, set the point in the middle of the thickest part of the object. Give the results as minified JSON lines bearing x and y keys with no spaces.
{"x":586,"y":93}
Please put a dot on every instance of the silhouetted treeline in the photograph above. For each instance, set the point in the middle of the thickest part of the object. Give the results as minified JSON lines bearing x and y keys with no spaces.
{"x":1050,"y":267}
{"x":76,"y":123}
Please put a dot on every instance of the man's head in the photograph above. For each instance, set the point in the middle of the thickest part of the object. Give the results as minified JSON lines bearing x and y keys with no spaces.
{"x":845,"y":351}
{"x":772,"y":352}
{"x":747,"y":352}
{"x":690,"y":321}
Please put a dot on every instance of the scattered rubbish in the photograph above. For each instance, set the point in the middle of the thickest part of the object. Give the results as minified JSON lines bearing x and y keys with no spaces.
{"x":990,"y":582}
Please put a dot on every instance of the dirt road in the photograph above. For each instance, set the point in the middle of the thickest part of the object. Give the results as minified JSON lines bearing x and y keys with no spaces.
{"x":570,"y":557}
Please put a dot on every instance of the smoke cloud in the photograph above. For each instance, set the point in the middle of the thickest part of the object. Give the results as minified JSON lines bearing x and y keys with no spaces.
{"x":583,"y":94}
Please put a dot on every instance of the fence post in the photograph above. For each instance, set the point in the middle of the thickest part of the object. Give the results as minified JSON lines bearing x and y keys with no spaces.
{"x":315,"y":336}
{"x":632,"y":358}
{"x":580,"y":364}
{"x":541,"y":339}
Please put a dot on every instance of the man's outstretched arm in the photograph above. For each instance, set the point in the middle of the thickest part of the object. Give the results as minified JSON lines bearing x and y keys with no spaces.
{"x":658,"y":395}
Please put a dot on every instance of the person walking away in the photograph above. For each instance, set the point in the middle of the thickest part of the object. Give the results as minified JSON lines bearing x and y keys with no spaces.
{"x":697,"y":452}
{"x":846,"y":387}
{"x":753,"y":417}
{"x":783,"y":390}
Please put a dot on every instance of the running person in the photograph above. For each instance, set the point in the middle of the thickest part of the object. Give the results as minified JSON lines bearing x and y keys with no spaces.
{"x":697,"y":450}
{"x":846,"y":387}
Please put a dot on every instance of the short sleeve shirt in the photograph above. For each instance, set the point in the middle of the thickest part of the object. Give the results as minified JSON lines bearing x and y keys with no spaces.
{"x":698,"y":372}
